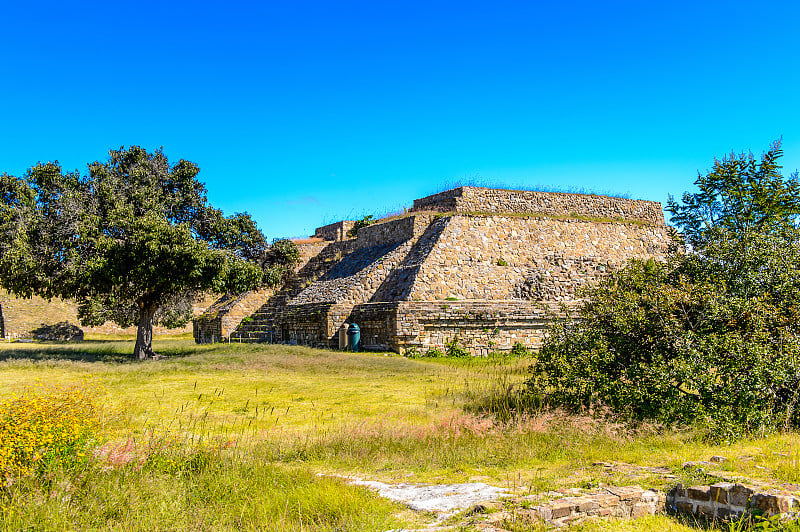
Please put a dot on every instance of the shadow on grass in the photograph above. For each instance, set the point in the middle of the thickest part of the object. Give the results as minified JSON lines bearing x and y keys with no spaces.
{"x":108,"y":351}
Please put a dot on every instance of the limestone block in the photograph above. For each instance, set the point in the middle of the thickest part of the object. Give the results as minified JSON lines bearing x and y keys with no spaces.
{"x":739,"y":495}
{"x":719,"y":492}
{"x":699,"y":493}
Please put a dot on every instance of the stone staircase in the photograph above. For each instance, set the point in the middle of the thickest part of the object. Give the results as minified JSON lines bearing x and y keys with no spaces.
{"x":259,"y":326}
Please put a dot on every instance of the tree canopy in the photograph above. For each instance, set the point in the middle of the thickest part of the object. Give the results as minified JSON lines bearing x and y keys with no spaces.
{"x":711,"y":336}
{"x":738,"y":197}
{"x":133,"y":241}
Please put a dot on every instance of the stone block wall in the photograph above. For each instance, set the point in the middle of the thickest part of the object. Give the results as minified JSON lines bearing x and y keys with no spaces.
{"x":507,"y":257}
{"x":614,"y":501}
{"x":489,"y":200}
{"x":334,"y":232}
{"x":391,"y":231}
{"x":481,"y":327}
{"x":729,"y":500}
{"x":305,"y":325}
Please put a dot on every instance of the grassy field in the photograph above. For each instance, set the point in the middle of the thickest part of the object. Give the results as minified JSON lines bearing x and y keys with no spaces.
{"x":219,"y":437}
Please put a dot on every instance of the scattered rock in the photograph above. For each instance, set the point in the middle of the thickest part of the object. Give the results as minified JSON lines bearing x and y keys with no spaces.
{"x":477,"y":509}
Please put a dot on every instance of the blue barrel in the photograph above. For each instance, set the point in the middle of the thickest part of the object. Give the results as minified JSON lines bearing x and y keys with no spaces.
{"x":353,"y":337}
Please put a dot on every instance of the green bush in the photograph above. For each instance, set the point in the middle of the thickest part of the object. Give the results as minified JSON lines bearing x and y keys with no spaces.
{"x":711,"y":336}
{"x":363,"y":222}
{"x":519,"y":350}
{"x":455,"y":349}
{"x":656,"y":343}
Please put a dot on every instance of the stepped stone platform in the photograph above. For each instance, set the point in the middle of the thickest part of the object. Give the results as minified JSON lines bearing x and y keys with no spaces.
{"x":489,"y":268}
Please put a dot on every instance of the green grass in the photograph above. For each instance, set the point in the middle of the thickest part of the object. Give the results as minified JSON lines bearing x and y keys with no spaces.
{"x":216,"y":493}
{"x":288,"y":414}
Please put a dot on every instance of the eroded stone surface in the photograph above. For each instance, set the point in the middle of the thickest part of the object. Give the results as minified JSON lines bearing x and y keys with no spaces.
{"x":438,"y":498}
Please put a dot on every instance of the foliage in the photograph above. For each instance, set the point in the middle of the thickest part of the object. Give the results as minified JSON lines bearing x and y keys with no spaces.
{"x":46,"y":426}
{"x":711,"y":336}
{"x":519,"y":350}
{"x":363,"y":222}
{"x":134,"y":241}
{"x":454,"y":349}
{"x":654,"y":342}
{"x":776,"y":523}
{"x":738,"y":196}
{"x":412,"y":352}
{"x":502,"y":262}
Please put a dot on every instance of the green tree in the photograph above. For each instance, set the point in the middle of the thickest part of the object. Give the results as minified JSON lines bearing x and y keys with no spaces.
{"x":738,"y":197}
{"x":711,"y":335}
{"x":133,"y":241}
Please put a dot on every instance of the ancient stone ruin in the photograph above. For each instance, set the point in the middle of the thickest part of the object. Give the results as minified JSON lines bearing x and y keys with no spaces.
{"x":486,"y":268}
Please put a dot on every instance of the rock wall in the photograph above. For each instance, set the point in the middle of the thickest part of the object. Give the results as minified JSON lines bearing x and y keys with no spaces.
{"x":490,"y":200}
{"x":729,"y":500}
{"x":612,"y":501}
{"x":480,"y":327}
{"x":334,"y":232}
{"x":391,"y":231}
{"x":503,"y":257}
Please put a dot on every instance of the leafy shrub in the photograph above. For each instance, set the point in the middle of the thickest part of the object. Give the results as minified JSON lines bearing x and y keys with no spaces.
{"x":45,"y":426}
{"x":501,"y":262}
{"x":711,"y":336}
{"x":455,"y":349}
{"x":519,"y":350}
{"x":664,"y":342}
{"x":412,"y":352}
{"x":434,"y":353}
{"x":363,"y":222}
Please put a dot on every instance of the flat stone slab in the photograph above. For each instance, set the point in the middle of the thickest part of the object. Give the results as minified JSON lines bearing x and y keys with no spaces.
{"x":438,"y":498}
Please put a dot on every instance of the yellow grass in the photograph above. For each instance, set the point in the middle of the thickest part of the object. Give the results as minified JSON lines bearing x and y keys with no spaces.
{"x":378,"y":416}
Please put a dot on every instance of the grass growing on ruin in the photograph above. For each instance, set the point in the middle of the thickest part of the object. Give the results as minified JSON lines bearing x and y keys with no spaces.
{"x":228,"y":430}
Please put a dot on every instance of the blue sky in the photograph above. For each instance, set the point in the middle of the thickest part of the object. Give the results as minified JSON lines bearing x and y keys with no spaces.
{"x":302,"y":113}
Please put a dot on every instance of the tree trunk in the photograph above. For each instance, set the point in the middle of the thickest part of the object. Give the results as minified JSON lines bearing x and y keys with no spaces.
{"x":144,"y":333}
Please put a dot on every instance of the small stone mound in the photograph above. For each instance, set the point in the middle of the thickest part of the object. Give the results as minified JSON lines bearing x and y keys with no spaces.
{"x":59,"y":332}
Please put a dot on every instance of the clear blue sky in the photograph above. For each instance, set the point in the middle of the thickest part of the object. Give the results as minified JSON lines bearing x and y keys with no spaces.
{"x":303,"y":113}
